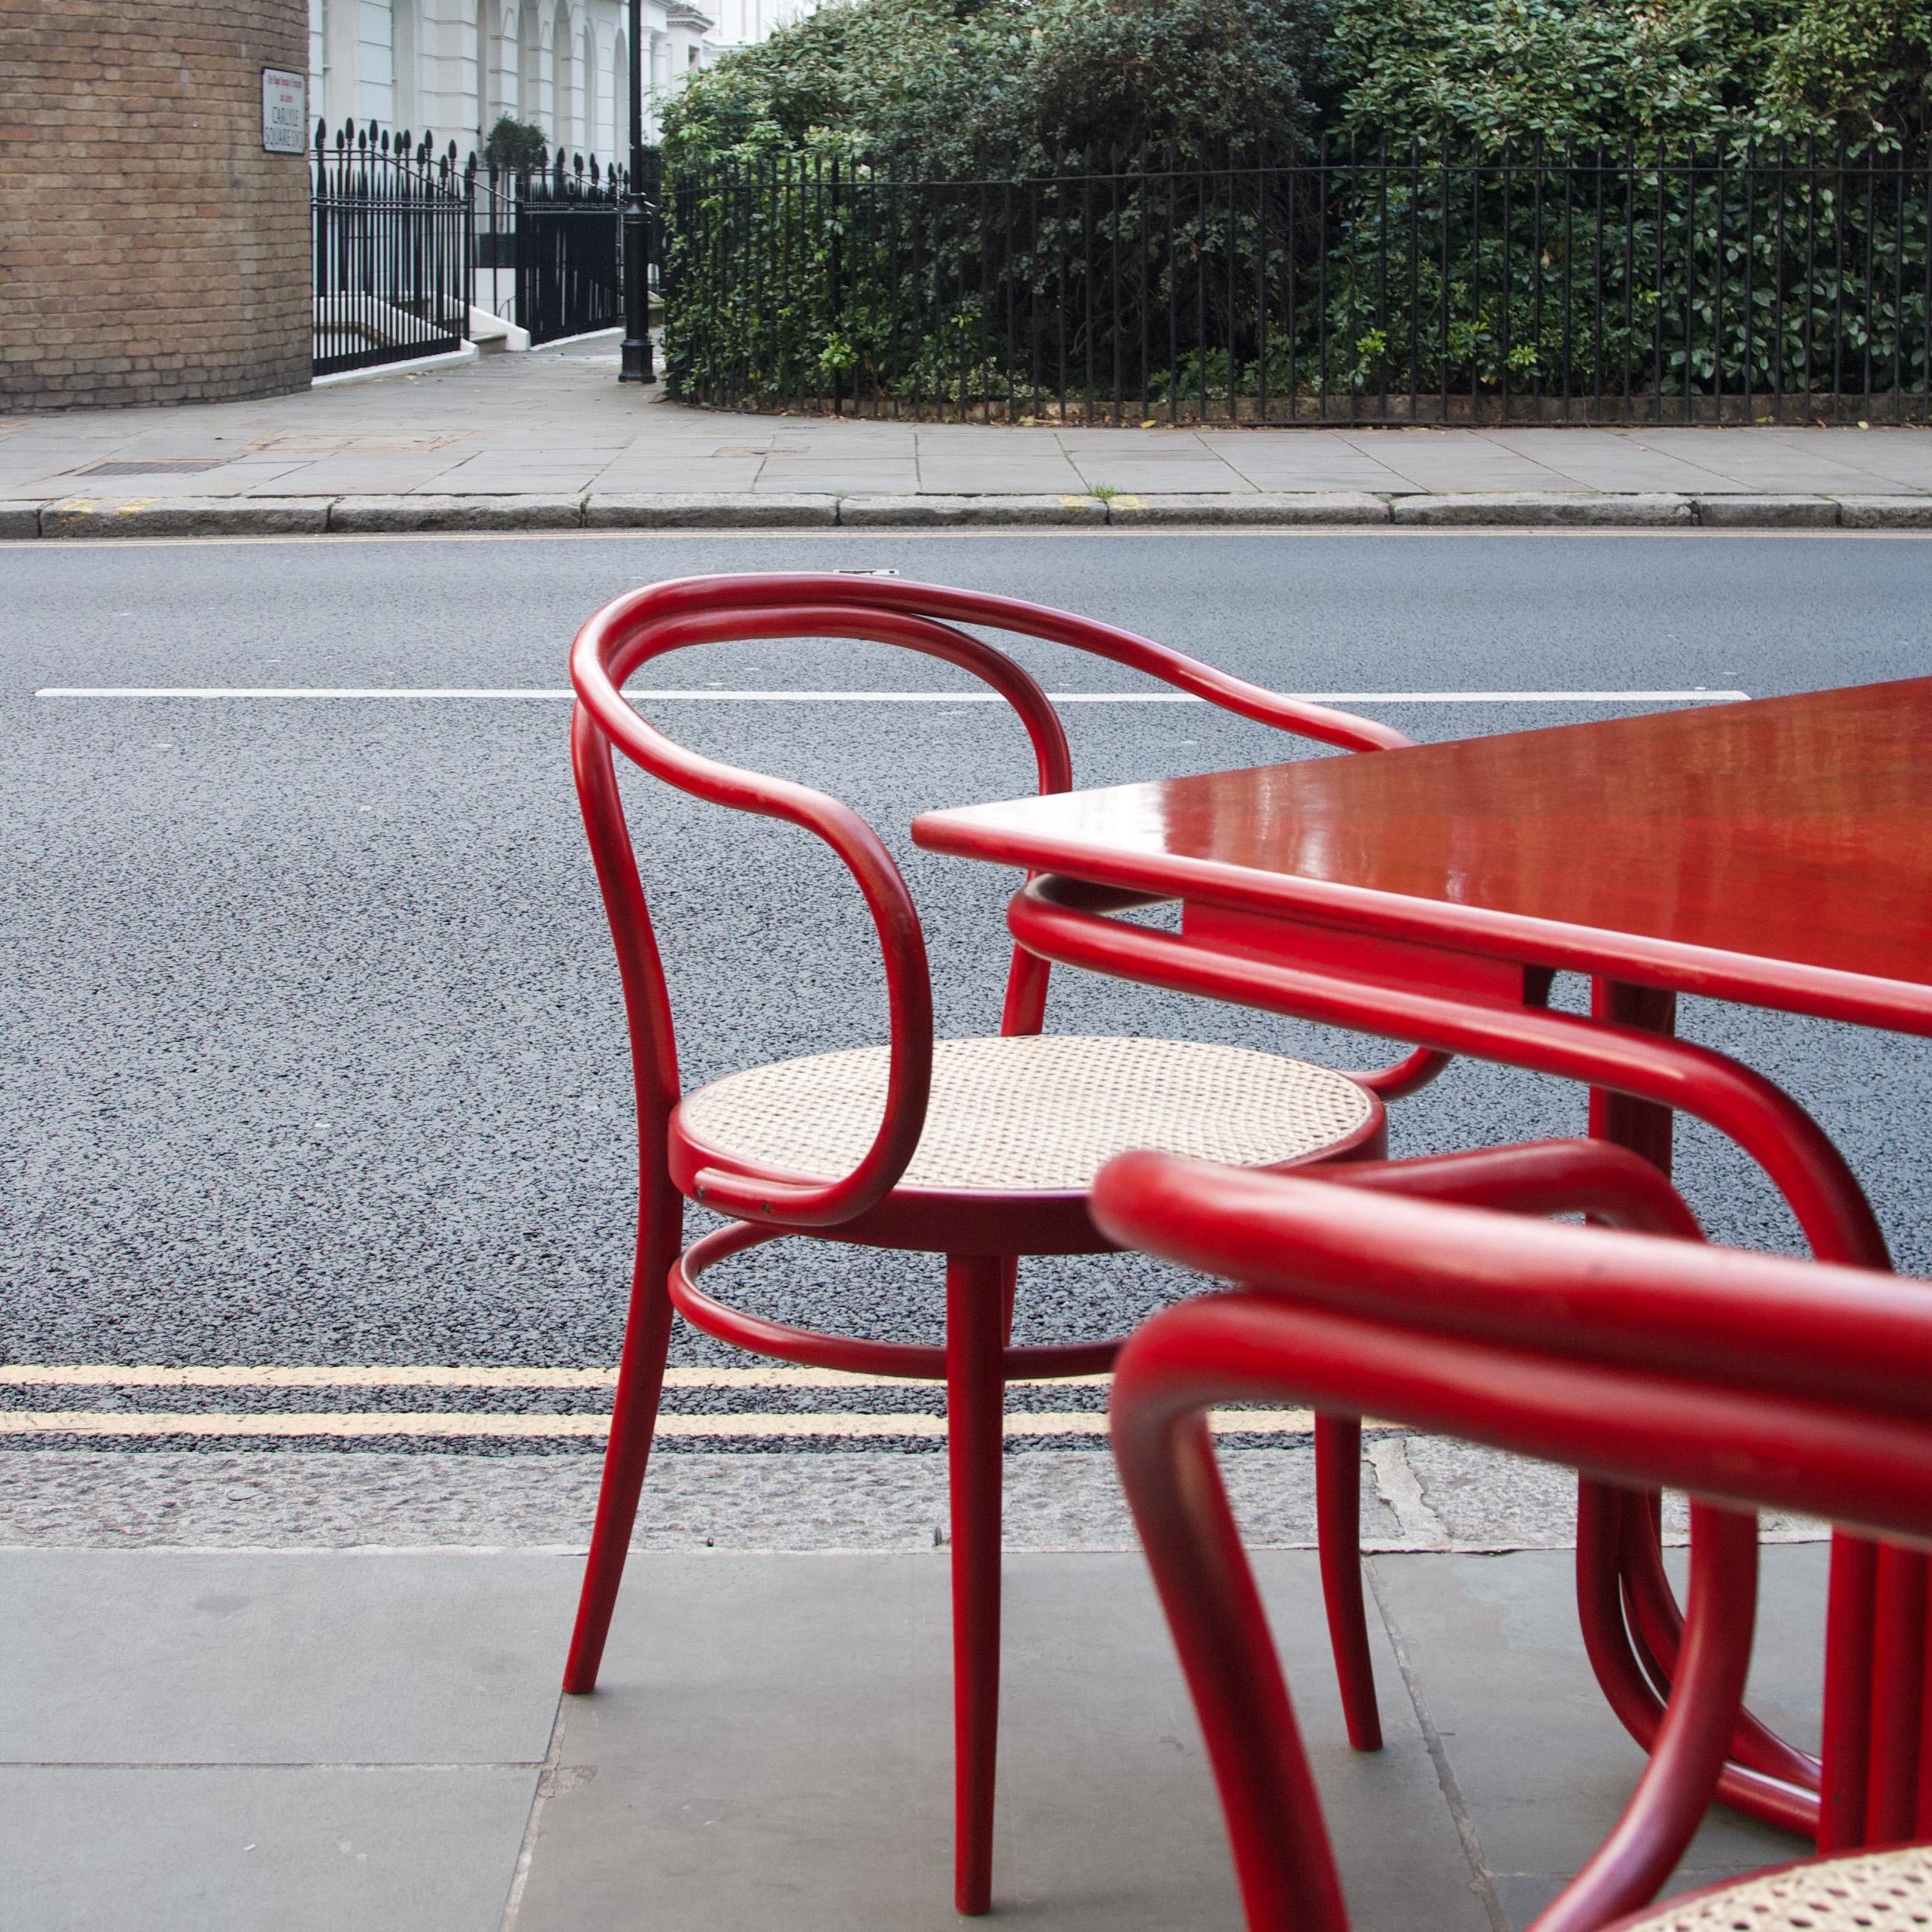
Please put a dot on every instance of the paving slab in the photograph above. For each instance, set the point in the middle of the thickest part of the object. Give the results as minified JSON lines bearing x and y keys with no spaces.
{"x":225,"y":1848}
{"x":770,"y":1747}
{"x":1542,"y":1766}
{"x":113,"y":1657}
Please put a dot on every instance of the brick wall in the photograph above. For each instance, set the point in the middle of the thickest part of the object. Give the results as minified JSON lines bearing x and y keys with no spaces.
{"x":150,"y":252}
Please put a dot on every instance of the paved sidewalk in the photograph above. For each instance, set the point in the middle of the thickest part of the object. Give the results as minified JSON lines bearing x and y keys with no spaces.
{"x":320,"y":1690}
{"x":549,"y":439}
{"x":214,"y":1741}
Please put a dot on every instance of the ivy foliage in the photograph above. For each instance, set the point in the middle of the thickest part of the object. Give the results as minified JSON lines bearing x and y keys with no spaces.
{"x":957,"y":87}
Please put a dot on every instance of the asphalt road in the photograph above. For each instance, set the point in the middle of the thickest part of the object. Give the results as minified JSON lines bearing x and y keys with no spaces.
{"x":313,"y":1045}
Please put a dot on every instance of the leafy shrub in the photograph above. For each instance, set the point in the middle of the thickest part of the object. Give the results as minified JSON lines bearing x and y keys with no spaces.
{"x":1105,"y":207}
{"x":514,"y":146}
{"x":1645,"y":71}
{"x":956,"y":87}
{"x":1860,"y":67}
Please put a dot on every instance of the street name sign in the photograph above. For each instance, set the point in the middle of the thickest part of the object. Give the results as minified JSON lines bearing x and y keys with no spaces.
{"x":284,"y":111}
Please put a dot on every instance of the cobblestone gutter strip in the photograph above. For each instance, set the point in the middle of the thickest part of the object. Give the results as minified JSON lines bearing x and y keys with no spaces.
{"x":1418,"y":1493}
{"x":81,"y":517}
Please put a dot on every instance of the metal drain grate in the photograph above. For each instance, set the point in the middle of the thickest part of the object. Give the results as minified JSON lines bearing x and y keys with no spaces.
{"x":155,"y":465}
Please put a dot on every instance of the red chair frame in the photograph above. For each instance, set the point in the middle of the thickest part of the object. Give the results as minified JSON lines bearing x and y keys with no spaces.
{"x":1749,"y":1380}
{"x":1631,"y":1619}
{"x":981,"y":1234}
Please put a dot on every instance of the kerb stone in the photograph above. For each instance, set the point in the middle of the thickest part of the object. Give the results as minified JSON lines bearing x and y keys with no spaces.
{"x":185,"y":517}
{"x":893,"y":512}
{"x":1270,"y":507}
{"x":385,"y":514}
{"x":1886,"y":513}
{"x":693,"y":512}
{"x":1545,"y":508}
{"x":1767,"y":513}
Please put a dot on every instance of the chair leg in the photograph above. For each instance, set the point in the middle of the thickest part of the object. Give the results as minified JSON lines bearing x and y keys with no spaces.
{"x":634,"y":1417}
{"x":1338,"y":1530}
{"x":976,"y":1317}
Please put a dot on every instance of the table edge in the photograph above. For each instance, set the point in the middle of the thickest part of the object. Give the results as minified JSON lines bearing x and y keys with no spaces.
{"x":1784,"y":985}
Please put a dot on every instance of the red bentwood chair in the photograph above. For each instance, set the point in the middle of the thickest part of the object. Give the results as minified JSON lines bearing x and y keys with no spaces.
{"x":1748,"y":1379}
{"x":982,"y":1149}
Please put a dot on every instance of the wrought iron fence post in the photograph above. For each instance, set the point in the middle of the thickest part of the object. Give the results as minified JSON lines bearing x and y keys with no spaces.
{"x":634,"y":364}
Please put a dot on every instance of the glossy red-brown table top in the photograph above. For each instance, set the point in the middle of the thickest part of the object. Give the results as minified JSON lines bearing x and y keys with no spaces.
{"x":1778,"y":852}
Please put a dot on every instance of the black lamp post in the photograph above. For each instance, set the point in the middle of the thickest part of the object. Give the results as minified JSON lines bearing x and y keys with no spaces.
{"x":636,"y":366}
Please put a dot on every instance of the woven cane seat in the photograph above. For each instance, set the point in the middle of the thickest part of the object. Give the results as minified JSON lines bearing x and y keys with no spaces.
{"x":1032,"y":1113}
{"x":1873,"y":1891}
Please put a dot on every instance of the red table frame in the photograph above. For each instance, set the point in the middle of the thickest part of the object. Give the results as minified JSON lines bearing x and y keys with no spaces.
{"x":1473,"y":980}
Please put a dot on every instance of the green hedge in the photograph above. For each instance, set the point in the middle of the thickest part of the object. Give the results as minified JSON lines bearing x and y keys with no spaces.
{"x":1374,"y":284}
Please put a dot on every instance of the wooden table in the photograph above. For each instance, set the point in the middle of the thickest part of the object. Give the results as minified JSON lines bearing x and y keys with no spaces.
{"x":1777,"y":853}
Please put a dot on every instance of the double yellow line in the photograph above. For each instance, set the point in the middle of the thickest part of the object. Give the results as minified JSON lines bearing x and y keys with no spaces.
{"x":740,"y":1426}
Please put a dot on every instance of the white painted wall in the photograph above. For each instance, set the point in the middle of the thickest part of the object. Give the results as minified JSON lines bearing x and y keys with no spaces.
{"x":450,"y":67}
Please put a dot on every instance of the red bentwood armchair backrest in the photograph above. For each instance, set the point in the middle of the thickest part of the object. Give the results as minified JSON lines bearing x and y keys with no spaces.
{"x":1749,"y":1380}
{"x":628,"y":634}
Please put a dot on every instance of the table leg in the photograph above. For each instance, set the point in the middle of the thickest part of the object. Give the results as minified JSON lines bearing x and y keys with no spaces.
{"x":1642,"y":1126}
{"x":1630,"y":1613}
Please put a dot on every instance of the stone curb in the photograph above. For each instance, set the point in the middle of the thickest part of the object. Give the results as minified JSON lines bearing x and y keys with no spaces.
{"x":1352,"y":506}
{"x":1766,"y":513}
{"x":1884,"y":513}
{"x":708,"y":513}
{"x":456,"y":513}
{"x":183,"y":517}
{"x":81,"y":517}
{"x":889,"y":512}
{"x":1544,"y":508}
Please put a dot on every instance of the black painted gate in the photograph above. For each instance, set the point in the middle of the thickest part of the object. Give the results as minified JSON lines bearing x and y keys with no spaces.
{"x":569,"y":260}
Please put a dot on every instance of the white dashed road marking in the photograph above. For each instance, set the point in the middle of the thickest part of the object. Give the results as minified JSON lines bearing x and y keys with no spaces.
{"x":1698,"y":696}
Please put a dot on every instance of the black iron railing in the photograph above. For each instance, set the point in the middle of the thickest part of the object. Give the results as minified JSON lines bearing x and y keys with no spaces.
{"x":393,"y":249}
{"x":1528,"y":285}
{"x":549,"y":246}
{"x":569,"y":272}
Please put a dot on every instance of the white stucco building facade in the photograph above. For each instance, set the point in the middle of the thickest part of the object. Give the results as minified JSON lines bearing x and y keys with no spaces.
{"x":452,"y":67}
